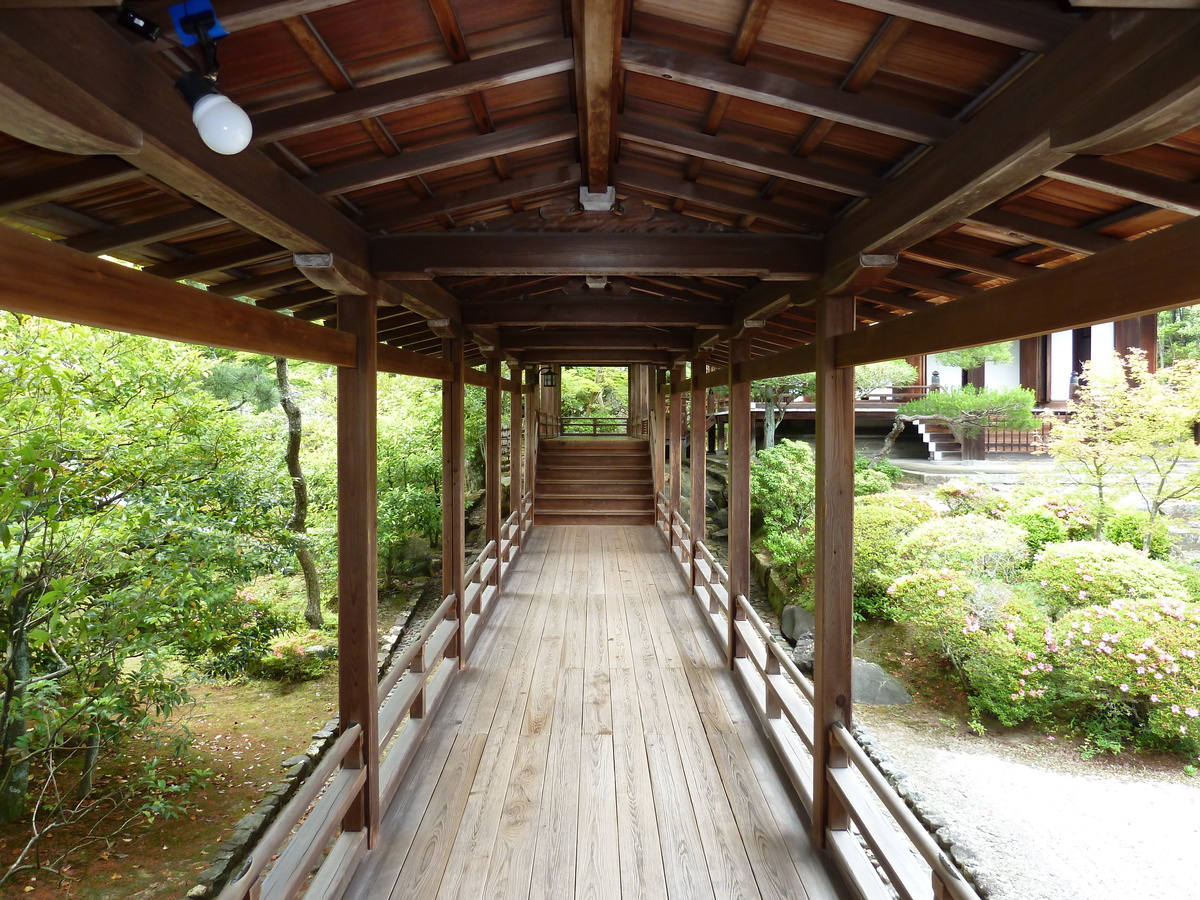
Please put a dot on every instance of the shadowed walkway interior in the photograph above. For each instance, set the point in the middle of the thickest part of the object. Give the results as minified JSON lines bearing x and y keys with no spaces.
{"x":595,"y":747}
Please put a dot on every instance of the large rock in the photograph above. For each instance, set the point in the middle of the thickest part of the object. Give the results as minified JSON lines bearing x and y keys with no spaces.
{"x":803,"y":654}
{"x":874,"y":687}
{"x":796,"y":621}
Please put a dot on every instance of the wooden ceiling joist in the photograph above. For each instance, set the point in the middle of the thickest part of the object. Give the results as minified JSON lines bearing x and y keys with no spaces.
{"x":994,"y":20}
{"x":617,"y":311}
{"x":1130,"y":183}
{"x":411,"y":91}
{"x":785,"y":93}
{"x":86,"y":175}
{"x":146,"y":231}
{"x":776,"y":257}
{"x":596,"y":30}
{"x":241,"y":255}
{"x":1075,"y":240}
{"x":674,"y":340}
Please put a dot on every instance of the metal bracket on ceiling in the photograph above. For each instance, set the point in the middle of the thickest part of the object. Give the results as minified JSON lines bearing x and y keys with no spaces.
{"x":600,"y":201}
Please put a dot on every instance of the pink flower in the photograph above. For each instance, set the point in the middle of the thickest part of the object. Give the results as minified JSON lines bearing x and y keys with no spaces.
{"x":1154,"y":698}
{"x":1191,"y":712}
{"x":1175,"y":707}
{"x":1124,"y":688}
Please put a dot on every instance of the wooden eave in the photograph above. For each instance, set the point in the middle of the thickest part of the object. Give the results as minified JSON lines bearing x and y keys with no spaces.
{"x":914,"y":155}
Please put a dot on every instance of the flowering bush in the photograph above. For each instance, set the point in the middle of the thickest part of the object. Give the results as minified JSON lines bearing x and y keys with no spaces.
{"x":995,"y":638}
{"x":970,"y":497}
{"x":1130,"y":528}
{"x":878,"y":530}
{"x":294,"y":657}
{"x":920,"y":509}
{"x":970,"y":543}
{"x":1076,"y":518}
{"x":1137,"y":656}
{"x":1085,"y":573}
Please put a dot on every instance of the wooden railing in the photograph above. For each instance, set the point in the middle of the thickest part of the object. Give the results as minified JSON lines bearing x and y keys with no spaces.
{"x":549,"y":425}
{"x":410,"y":693}
{"x":782,"y":698}
{"x":594,"y":425}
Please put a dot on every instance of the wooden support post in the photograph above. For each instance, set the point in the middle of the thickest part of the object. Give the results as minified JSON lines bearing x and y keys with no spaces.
{"x":741,"y":426}
{"x":676,"y":451}
{"x":491,"y":484}
{"x":699,"y":466}
{"x":357,"y":563}
{"x":453,"y":514}
{"x":834,"y":560}
{"x":531,"y":432}
{"x":516,"y":455}
{"x":659,"y":451}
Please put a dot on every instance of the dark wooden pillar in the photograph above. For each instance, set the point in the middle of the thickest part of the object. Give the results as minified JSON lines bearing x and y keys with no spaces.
{"x":358,"y":567}
{"x":741,"y":432}
{"x":699,"y":413}
{"x":1032,"y":364}
{"x":516,"y":455}
{"x":834,"y":558}
{"x":532,"y":436}
{"x":492,"y":467}
{"x":676,"y":452}
{"x":1139,"y":333}
{"x":454,"y":537}
{"x":659,"y":451}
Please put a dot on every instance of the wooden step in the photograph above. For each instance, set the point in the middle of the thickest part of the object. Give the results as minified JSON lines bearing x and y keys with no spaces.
{"x":593,"y":503}
{"x":593,"y":473}
{"x":590,"y":486}
{"x":620,"y":445}
{"x":593,"y":518}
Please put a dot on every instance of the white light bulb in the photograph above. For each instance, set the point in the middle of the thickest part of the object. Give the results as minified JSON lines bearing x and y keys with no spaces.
{"x":223,"y":125}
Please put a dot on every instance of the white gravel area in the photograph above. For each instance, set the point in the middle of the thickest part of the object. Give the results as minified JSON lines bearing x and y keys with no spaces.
{"x":1043,"y":824}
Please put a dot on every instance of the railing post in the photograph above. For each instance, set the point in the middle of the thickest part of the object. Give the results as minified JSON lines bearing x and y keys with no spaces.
{"x":834,"y":560}
{"x":357,"y":563}
{"x":516,"y":455}
{"x":740,"y":433}
{"x":491,"y":509}
{"x":531,"y":433}
{"x":699,"y":464}
{"x":676,"y":452}
{"x":453,"y":458}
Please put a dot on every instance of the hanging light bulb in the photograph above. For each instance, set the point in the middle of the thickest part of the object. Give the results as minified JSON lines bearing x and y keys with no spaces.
{"x":223,"y":125}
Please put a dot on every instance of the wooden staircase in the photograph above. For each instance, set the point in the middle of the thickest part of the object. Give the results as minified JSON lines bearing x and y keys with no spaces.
{"x":594,"y":481}
{"x":939,"y":440}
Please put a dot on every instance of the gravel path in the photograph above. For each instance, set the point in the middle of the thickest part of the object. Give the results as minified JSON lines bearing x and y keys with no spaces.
{"x":1045,"y":825}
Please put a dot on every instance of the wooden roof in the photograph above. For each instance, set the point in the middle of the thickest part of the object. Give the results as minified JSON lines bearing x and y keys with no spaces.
{"x":929,"y":158}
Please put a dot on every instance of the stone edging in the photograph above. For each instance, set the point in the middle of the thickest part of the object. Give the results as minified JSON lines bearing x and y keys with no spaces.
{"x":963,"y":857}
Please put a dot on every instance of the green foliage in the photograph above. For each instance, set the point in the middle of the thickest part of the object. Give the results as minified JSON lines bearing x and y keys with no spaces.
{"x":920,"y":509}
{"x":968,"y":410}
{"x":970,"y":544}
{"x":874,"y":476}
{"x":1133,"y":528}
{"x":974,"y":357}
{"x":792,"y":556}
{"x":878,"y":531}
{"x":873,"y":376}
{"x":1178,"y":335}
{"x":241,"y":633}
{"x":1041,"y":528}
{"x":594,"y":391}
{"x":302,"y":656}
{"x":1082,"y":573}
{"x":971,"y":498}
{"x":1129,"y":669}
{"x":783,"y":485}
{"x":992,"y":636}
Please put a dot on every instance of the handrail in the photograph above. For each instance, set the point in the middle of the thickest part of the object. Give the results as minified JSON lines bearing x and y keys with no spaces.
{"x":276,"y":836}
{"x":615,"y":425}
{"x":783,"y":697}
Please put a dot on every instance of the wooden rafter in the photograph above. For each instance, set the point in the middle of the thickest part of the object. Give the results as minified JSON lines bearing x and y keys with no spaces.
{"x":659,"y":313}
{"x":596,"y":26}
{"x":993,"y":20}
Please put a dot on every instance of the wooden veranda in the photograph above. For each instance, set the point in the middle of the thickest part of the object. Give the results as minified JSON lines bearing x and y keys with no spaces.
{"x":707,"y":191}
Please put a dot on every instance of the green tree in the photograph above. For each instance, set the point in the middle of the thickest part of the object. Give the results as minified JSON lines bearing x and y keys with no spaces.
{"x":775,"y":394}
{"x":872,"y":377}
{"x":131,"y":504}
{"x":1130,"y":427}
{"x":974,"y":357}
{"x":966,"y":411}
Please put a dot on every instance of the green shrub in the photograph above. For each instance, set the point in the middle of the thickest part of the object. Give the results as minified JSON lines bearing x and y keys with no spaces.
{"x":295,"y":657}
{"x":994,"y":637}
{"x":920,"y":509}
{"x":1041,"y":528}
{"x":973,"y":544}
{"x":1135,"y":661}
{"x":878,"y":530}
{"x":972,"y":498}
{"x":792,"y":555}
{"x":783,"y":485}
{"x":1189,"y":575}
{"x":865,"y":464}
{"x":247,"y":627}
{"x":1076,"y":518}
{"x":1130,"y":528}
{"x":1076,"y":574}
{"x":871,"y":481}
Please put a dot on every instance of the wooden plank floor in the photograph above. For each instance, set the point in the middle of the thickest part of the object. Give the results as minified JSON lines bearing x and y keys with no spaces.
{"x":596,"y":747}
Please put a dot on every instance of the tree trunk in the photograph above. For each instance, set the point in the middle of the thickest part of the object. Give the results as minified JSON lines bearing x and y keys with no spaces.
{"x":91,"y":756}
{"x":769,"y":423}
{"x":14,"y":764}
{"x":299,"y":520}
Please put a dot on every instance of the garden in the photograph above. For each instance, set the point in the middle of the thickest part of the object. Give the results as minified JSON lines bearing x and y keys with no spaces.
{"x":1059,"y":605}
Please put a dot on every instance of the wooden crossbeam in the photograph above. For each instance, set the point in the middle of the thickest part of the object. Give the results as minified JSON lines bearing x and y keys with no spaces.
{"x":784,"y":92}
{"x":1076,"y":240}
{"x":747,"y":156}
{"x":619,"y":311}
{"x":970,"y":260}
{"x":243,"y":254}
{"x":443,"y":156}
{"x":1156,"y":272}
{"x":146,"y":231}
{"x":599,"y":356}
{"x":781,"y":257}
{"x":675,"y":340}
{"x":410,"y":91}
{"x":87,"y":174}
{"x":596,"y":30}
{"x":994,"y":20}
{"x":43,"y":278}
{"x":1130,"y":183}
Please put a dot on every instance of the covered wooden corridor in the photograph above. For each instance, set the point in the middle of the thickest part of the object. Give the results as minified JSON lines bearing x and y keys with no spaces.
{"x":596,"y":747}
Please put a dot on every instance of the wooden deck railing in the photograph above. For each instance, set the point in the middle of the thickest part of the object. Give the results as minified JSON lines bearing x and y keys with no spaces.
{"x":782,"y":697}
{"x":549,"y":425}
{"x":594,"y":425}
{"x":410,"y":693}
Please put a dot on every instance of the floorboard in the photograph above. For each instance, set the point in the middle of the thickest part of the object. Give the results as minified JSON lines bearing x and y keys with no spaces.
{"x":596,"y":747}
